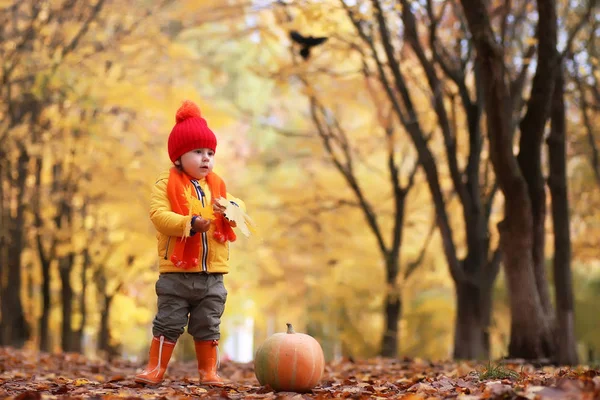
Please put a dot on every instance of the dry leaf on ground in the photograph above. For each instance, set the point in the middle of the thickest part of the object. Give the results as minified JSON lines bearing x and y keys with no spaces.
{"x":31,"y":375}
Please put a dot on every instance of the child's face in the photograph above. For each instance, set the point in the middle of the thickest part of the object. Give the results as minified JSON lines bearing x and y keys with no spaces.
{"x":198,"y":163}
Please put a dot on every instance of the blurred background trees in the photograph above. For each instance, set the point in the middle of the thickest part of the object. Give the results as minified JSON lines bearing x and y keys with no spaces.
{"x":421,"y":179}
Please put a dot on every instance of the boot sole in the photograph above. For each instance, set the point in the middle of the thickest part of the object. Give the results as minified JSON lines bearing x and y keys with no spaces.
{"x":147,"y":382}
{"x":212,"y":383}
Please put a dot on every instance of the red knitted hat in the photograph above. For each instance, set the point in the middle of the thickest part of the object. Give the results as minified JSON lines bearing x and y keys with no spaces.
{"x":190,"y":132}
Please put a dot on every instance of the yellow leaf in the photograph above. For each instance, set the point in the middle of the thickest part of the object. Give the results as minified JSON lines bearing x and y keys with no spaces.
{"x":81,"y":382}
{"x":237,"y":215}
{"x":196,"y":207}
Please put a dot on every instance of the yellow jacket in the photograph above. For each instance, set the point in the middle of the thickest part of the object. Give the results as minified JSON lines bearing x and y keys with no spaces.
{"x":170,"y":225}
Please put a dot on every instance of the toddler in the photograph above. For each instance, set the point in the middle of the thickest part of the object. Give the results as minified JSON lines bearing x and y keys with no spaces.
{"x":193,"y":251}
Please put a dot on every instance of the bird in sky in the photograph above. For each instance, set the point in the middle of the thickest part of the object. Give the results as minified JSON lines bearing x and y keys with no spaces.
{"x":306,"y":42}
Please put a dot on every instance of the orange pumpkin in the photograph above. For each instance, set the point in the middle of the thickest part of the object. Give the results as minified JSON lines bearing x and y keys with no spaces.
{"x":289,"y":361}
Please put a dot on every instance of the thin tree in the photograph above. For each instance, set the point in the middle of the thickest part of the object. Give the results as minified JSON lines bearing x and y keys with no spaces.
{"x":475,"y":274}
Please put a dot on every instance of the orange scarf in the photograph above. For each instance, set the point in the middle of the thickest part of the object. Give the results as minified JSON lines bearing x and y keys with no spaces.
{"x":187,"y":249}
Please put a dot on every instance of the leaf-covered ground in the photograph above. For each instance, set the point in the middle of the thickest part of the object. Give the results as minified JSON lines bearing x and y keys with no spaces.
{"x":28,"y":375}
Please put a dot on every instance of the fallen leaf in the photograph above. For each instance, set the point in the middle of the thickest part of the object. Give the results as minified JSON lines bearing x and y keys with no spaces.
{"x":81,"y":382}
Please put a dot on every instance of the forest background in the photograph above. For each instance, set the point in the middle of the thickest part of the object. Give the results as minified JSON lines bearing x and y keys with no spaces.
{"x":382,"y":170}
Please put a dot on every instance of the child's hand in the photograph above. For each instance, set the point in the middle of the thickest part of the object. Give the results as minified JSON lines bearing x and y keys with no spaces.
{"x":218,"y":208}
{"x":201,"y":224}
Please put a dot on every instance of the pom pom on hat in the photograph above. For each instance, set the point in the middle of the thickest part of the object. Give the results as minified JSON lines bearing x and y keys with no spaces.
{"x":190,"y":132}
{"x":188,"y":109}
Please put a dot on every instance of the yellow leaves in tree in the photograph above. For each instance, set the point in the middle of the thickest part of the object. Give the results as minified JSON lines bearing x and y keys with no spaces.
{"x":196,"y":207}
{"x":238,"y":216}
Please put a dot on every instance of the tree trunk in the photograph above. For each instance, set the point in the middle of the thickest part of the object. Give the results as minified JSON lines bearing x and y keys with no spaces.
{"x":473,"y":314}
{"x":393,"y":310}
{"x":563,"y":285}
{"x":473,"y":293}
{"x":45,"y":261}
{"x":532,"y":129}
{"x":15,"y":330}
{"x":531,"y":164}
{"x":531,"y":331}
{"x":82,"y":301}
{"x":104,"y":332}
{"x":44,"y":318}
{"x":4,"y":235}
{"x":531,"y":335}
{"x":393,"y":299}
{"x":474,"y":309}
{"x":65,"y":266}
{"x":468,"y":333}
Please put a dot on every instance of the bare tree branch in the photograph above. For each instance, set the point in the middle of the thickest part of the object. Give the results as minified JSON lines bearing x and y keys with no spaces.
{"x":411,"y":123}
{"x":410,"y":32}
{"x":27,"y":36}
{"x":344,"y":167}
{"x":504,"y":27}
{"x":583,"y":107}
{"x":584,"y":19}
{"x":490,"y":201}
{"x":83,"y":29}
{"x":493,"y":267}
{"x":456,"y":73}
{"x":516,"y":86}
{"x":412,"y":266}
{"x":399,"y":199}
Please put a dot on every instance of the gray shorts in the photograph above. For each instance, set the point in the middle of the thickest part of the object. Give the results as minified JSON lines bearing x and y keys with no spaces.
{"x":193,"y":299}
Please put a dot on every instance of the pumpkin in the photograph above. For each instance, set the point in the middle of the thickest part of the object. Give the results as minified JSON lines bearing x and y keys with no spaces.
{"x":290,"y":361}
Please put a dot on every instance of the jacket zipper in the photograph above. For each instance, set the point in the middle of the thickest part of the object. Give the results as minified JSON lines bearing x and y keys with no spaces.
{"x":200,"y":194}
{"x":167,"y":248}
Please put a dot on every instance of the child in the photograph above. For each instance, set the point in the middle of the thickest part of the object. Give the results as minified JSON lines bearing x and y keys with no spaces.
{"x":193,"y":251}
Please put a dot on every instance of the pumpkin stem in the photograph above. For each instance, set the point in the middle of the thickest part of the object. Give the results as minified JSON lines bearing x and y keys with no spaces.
{"x":290,"y":328}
